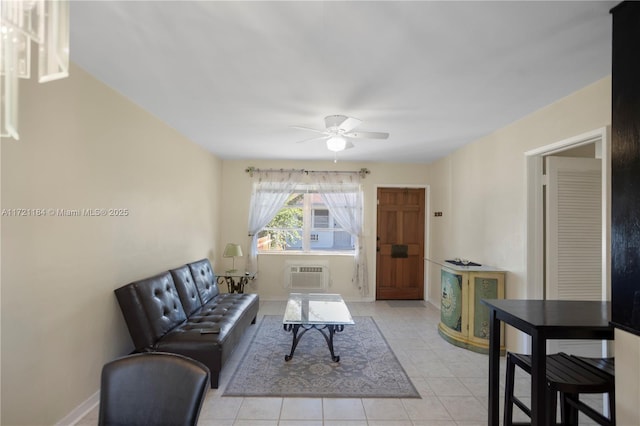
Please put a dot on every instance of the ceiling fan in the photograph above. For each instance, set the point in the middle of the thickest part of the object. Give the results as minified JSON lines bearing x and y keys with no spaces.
{"x":339,"y":129}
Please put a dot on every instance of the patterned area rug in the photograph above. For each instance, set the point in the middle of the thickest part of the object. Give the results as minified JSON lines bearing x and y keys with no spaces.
{"x":368,"y":367}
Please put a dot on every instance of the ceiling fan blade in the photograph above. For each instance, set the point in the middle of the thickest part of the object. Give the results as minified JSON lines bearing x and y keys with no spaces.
{"x":324,"y":132}
{"x":349,"y":124}
{"x":317,"y":138}
{"x":349,"y":145}
{"x":333,"y":121}
{"x":341,"y":123}
{"x":367,"y":135}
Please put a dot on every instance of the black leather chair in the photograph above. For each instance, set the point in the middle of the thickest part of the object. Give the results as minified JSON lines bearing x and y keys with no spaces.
{"x":152,"y":389}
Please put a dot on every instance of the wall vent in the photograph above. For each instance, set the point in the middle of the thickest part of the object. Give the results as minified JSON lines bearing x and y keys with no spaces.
{"x":307,"y":277}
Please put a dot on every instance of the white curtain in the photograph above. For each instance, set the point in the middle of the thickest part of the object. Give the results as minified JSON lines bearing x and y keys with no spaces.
{"x":342,"y":193}
{"x":271,"y":189}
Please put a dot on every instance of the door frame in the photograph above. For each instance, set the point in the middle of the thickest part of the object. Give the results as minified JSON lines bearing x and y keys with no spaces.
{"x":534,"y":250}
{"x":426,"y":245}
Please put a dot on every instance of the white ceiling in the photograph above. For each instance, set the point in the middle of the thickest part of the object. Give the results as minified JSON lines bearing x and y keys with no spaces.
{"x":234,"y":76}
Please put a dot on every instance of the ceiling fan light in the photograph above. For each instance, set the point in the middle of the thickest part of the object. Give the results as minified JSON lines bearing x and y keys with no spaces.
{"x":336,"y":143}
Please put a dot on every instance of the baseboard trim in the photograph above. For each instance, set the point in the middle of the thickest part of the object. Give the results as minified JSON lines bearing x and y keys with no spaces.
{"x":80,"y":411}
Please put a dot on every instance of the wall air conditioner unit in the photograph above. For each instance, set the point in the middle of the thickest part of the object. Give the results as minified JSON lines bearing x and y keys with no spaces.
{"x":306,"y":277}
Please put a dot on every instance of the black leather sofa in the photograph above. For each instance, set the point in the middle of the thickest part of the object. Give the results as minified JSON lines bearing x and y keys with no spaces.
{"x":181,"y":311}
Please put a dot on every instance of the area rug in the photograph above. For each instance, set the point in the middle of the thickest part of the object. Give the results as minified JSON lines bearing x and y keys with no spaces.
{"x":367,"y":368}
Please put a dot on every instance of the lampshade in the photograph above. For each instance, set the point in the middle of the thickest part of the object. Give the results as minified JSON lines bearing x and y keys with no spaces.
{"x":232,"y":250}
{"x":336,"y":143}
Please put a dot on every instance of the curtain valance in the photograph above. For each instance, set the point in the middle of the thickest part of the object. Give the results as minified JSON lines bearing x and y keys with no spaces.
{"x":363,"y":172}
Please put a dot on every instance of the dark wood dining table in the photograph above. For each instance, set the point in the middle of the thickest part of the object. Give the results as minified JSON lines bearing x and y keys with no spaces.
{"x":542,"y":320}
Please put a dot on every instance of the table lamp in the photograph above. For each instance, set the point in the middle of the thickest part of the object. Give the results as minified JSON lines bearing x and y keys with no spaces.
{"x":232,"y":250}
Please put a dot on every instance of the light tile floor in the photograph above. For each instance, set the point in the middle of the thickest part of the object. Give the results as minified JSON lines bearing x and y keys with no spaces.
{"x":452,"y":381}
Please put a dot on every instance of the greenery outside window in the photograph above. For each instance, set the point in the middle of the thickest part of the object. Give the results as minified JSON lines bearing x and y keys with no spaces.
{"x":304,"y":224}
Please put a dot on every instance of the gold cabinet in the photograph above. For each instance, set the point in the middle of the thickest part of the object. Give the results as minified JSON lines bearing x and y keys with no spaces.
{"x":464,"y":320}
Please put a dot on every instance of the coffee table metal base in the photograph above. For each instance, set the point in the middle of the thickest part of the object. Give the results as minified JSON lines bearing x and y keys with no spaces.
{"x":297,"y":335}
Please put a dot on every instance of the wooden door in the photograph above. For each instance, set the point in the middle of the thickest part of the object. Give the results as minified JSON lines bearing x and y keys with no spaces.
{"x":400,"y":244}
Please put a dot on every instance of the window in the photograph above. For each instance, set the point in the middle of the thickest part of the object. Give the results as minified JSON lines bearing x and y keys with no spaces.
{"x":304,"y":224}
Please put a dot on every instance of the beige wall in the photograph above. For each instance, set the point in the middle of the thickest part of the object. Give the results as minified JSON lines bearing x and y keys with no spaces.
{"x":270,"y":285}
{"x":481,"y":188}
{"x":627,"y":383}
{"x":84,"y":146}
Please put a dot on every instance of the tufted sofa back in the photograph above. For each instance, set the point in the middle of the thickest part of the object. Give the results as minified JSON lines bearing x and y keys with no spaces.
{"x":151,"y":307}
{"x":187,"y":289}
{"x":154,"y":306}
{"x":205,"y":280}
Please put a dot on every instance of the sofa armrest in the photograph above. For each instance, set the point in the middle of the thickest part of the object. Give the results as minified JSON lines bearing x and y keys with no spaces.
{"x":135,"y":317}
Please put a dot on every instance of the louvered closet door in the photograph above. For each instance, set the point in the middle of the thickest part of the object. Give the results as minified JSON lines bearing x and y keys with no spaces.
{"x":574,"y":237}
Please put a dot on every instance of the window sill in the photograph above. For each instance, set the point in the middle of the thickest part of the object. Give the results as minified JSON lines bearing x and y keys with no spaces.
{"x":306,"y":253}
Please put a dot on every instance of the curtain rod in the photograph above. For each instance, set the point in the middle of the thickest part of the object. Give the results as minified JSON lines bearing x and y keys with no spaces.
{"x":363,"y":172}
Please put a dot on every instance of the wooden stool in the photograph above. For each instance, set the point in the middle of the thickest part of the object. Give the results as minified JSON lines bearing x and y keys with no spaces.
{"x":569,"y":375}
{"x":602,"y":366}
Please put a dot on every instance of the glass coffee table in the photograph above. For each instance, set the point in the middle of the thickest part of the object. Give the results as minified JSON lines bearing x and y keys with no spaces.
{"x":320,"y":311}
